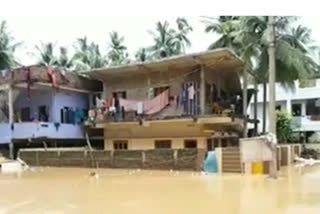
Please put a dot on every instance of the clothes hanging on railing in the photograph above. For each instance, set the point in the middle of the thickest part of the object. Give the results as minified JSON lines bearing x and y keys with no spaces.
{"x":149,"y":106}
{"x":156,"y":104}
{"x":52,"y":76}
{"x":27,"y":75}
{"x":191,"y":92}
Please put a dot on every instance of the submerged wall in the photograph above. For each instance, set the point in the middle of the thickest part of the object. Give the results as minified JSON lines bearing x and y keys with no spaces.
{"x":178,"y":159}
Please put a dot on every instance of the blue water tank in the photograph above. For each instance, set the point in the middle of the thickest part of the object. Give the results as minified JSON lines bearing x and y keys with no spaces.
{"x":210,"y":163}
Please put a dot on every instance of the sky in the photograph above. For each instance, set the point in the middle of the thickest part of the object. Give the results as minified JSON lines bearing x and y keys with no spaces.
{"x":64,"y":30}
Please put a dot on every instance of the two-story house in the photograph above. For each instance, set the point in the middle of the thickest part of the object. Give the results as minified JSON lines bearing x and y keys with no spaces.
{"x":187,"y":101}
{"x":301,"y":102}
{"x":43,"y":105}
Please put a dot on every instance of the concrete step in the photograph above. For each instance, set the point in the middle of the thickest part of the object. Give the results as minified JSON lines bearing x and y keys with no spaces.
{"x":231,"y":162}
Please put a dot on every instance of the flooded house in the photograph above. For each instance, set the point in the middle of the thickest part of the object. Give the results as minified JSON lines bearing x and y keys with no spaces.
{"x":41,"y":106}
{"x":187,"y":101}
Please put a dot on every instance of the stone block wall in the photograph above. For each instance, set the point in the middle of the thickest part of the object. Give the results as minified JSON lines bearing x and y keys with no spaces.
{"x":178,"y":159}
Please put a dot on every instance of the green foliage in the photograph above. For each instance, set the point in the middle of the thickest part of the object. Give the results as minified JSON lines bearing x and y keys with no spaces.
{"x":87,"y":55}
{"x":170,"y":41}
{"x":246,"y":35}
{"x":46,"y":54}
{"x":284,"y":127}
{"x":315,"y":138}
{"x":8,"y":47}
{"x":117,"y":53}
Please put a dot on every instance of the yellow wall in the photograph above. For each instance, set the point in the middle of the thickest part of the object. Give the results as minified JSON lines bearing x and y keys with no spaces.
{"x":148,"y":143}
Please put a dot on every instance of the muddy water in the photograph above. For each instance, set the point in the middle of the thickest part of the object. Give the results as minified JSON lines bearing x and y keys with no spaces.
{"x":65,"y":190}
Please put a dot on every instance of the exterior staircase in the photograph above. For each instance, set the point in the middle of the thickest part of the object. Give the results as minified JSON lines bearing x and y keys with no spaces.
{"x":231,"y":160}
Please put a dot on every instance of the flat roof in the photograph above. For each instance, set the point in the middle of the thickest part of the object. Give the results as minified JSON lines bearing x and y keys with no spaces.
{"x":222,"y":59}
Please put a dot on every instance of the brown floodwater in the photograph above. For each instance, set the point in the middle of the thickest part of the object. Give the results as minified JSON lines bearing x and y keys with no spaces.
{"x":73,"y":190}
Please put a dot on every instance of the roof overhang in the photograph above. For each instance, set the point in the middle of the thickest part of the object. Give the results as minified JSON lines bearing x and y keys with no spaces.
{"x":222,"y":60}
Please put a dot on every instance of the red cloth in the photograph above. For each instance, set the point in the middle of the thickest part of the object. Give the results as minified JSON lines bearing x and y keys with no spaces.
{"x":27,"y":75}
{"x":149,"y":106}
{"x":156,"y":104}
{"x":52,"y":76}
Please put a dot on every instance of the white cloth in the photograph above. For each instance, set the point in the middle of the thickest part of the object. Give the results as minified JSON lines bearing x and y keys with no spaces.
{"x":140,"y":107}
{"x":150,"y":93}
{"x":100,"y":103}
{"x":191,"y":92}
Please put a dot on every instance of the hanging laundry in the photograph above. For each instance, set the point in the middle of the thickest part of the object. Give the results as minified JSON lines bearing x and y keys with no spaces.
{"x":57,"y":125}
{"x":140,"y":108}
{"x":52,"y":76}
{"x":27,"y":75}
{"x":191,"y":92}
{"x":149,"y":106}
{"x":100,"y":103}
{"x":157,"y":104}
{"x":130,"y":105}
{"x":108,"y":103}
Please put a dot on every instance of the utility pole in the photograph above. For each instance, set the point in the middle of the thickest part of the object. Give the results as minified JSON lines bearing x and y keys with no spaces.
{"x":272,"y":78}
{"x":11,"y":121}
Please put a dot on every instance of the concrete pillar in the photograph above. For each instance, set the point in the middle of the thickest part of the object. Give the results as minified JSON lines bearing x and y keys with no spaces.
{"x":288,"y":103}
{"x":303,"y":108}
{"x":91,"y":101}
{"x":104,"y":93}
{"x":244,"y":101}
{"x":218,"y":152}
{"x":11,"y":121}
{"x":202,"y":91}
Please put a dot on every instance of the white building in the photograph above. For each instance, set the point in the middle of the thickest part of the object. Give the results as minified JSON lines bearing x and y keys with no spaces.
{"x":303,"y":103}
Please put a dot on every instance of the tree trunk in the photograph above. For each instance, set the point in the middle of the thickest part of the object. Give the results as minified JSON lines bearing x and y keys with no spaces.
{"x":264,"y":107}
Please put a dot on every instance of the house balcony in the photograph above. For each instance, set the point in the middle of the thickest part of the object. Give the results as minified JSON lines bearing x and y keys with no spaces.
{"x":34,"y":130}
{"x":306,"y":123}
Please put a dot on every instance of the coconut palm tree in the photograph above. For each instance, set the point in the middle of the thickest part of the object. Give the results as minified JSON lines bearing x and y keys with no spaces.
{"x":182,"y":41}
{"x":168,"y":41}
{"x":87,"y":56}
{"x":227,"y":27}
{"x":45,"y":54}
{"x":64,"y":61}
{"x":248,"y":38}
{"x":163,"y":38}
{"x":117,"y":53}
{"x":142,"y":55}
{"x":8,"y":47}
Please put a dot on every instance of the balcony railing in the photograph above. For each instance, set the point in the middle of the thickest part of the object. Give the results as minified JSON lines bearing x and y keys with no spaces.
{"x":26,"y":130}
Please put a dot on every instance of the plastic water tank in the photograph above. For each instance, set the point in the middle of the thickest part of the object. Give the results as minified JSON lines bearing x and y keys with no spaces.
{"x":210,"y":163}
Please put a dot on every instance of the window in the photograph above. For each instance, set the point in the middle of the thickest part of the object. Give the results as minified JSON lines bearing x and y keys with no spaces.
{"x":215,"y":142}
{"x":190,"y":144}
{"x":67,"y":115}
{"x":209,"y":145}
{"x":25,"y":114}
{"x":278,"y":107}
{"x":159,"y":90}
{"x":120,"y":145}
{"x":312,"y":108}
{"x":162,"y":144}
{"x":43,"y":114}
{"x":296,"y":109}
{"x":119,"y":94}
{"x":224,"y":142}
